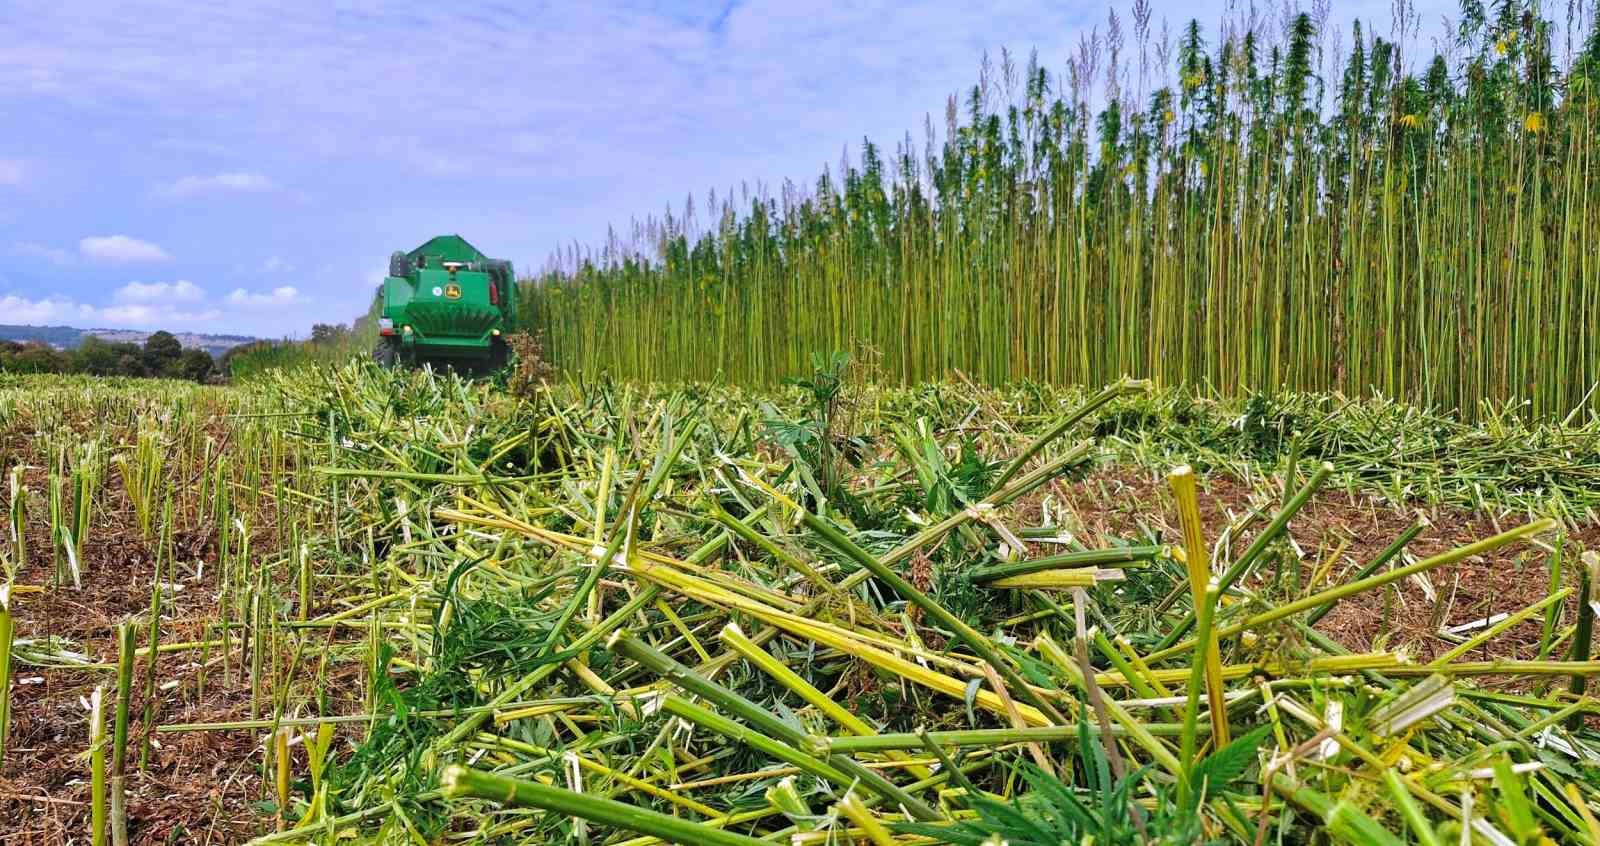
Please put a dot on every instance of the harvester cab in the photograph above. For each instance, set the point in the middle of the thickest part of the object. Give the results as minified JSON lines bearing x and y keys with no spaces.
{"x":447,"y":304}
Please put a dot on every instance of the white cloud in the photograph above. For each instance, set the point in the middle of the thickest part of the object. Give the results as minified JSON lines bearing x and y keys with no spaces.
{"x":12,"y":172}
{"x":144,"y":292}
{"x":283,"y":295}
{"x":142,"y":315}
{"x":121,"y":248}
{"x":29,"y":249}
{"x":230,"y":182}
{"x":177,"y":304}
{"x":48,"y":310}
{"x":51,"y":310}
{"x":276,"y":264}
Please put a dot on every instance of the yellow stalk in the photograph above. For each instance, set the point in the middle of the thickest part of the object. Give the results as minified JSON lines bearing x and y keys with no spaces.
{"x":602,"y":495}
{"x":711,"y":593}
{"x":591,"y":680}
{"x":646,"y":787}
{"x":1494,"y":631}
{"x":634,"y":558}
{"x":1327,"y":564}
{"x":833,"y":637}
{"x":910,"y":671}
{"x":280,"y":754}
{"x":735,"y":639}
{"x":1075,"y":578}
{"x":1139,"y":664}
{"x":1015,"y":718}
{"x":1578,"y":802}
{"x":1196,"y":559}
{"x":857,"y":812}
{"x":677,"y":623}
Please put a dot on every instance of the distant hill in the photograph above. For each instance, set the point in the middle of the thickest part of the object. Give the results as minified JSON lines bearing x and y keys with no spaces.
{"x":67,"y":337}
{"x":214,"y":344}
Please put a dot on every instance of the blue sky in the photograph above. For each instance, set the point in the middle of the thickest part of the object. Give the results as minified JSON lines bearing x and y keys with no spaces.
{"x":248,"y":166}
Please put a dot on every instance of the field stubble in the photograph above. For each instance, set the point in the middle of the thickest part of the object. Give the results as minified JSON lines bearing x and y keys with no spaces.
{"x":408,"y":560}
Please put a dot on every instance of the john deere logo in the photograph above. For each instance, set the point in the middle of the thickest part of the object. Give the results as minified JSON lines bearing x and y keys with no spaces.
{"x":452,"y":291}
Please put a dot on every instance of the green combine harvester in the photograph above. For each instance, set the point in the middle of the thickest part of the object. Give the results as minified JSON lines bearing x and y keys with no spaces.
{"x":448,"y":305}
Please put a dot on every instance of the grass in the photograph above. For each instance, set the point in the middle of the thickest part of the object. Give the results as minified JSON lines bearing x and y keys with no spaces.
{"x":404,"y":606}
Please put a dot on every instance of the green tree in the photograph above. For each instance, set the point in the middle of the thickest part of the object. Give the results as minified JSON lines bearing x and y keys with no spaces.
{"x":195,"y":365}
{"x":161,"y":353}
{"x":132,"y":364}
{"x":35,"y":357}
{"x":329,"y":333}
{"x":99,"y":357}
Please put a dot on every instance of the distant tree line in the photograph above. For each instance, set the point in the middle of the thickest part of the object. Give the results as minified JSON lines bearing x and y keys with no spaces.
{"x":160,"y":356}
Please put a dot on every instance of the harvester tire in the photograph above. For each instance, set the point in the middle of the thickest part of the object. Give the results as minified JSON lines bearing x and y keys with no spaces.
{"x":387,"y":355}
{"x":499,"y":354}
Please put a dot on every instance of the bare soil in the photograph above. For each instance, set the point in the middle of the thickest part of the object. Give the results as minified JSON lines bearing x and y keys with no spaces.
{"x":1117,"y":502}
